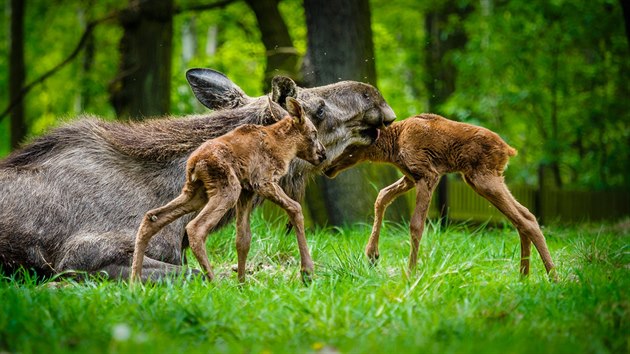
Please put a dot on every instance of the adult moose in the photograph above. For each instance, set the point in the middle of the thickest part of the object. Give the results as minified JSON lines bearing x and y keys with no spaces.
{"x":73,"y":198}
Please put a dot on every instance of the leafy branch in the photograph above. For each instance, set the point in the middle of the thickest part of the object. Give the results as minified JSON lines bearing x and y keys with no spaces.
{"x":83,"y":40}
{"x":84,"y":37}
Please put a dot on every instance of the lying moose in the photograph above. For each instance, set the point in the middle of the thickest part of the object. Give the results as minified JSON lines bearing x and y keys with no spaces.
{"x":72,"y":198}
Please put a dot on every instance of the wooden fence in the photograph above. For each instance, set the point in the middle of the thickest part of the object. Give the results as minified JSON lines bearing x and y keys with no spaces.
{"x":549,"y":205}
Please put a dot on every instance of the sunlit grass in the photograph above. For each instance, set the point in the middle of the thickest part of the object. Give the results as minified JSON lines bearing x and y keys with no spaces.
{"x":465,"y":297}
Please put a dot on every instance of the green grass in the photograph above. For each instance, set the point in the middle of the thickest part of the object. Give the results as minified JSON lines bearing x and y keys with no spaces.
{"x":465,"y":297}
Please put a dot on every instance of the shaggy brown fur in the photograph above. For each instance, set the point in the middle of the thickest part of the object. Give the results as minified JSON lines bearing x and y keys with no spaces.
{"x":424,"y":148}
{"x":226,"y":172}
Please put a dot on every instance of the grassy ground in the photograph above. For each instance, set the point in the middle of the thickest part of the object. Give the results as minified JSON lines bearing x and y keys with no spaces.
{"x":466,"y":297}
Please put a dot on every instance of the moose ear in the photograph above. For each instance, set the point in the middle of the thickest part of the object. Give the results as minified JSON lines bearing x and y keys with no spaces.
{"x":214,"y":90}
{"x":281,"y":88}
{"x":295,"y":110}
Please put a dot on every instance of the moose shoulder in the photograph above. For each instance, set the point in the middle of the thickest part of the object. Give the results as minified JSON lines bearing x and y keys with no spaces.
{"x":73,"y":198}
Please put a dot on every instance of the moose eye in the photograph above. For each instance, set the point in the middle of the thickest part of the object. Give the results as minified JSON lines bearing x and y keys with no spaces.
{"x":320,"y":112}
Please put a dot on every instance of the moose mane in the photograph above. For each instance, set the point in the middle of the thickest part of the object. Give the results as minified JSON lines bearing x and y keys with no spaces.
{"x":156,"y":139}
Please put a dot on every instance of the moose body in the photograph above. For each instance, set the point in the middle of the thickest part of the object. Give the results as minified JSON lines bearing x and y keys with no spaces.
{"x":425,"y":147}
{"x":73,"y":198}
{"x":227,"y":172}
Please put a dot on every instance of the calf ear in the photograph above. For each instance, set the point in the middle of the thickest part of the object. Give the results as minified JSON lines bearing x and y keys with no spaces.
{"x":214,"y":90}
{"x":295,"y":110}
{"x":281,"y":88}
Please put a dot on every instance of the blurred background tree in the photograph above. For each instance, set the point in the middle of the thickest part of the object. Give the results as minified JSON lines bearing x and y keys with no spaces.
{"x":551,"y":77}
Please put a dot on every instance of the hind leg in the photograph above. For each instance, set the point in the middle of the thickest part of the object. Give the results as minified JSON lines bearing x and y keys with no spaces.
{"x":243,"y":231}
{"x":493,"y":188}
{"x":219,"y":202}
{"x":191,"y":199}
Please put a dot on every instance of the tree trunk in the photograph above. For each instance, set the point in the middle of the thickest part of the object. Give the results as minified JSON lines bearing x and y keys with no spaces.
{"x":17,"y":72}
{"x":282,"y":58}
{"x":440,"y":78}
{"x":340,"y":48}
{"x":142,"y":87}
{"x":625,"y":8}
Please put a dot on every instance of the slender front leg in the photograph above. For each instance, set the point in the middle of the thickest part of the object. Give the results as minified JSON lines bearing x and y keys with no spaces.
{"x":155,"y":220}
{"x":424,"y":191}
{"x":385,"y":197}
{"x":243,"y":231}
{"x":273,"y":192}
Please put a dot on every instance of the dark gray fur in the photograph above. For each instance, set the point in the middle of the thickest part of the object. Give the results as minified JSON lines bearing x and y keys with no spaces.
{"x":73,"y":198}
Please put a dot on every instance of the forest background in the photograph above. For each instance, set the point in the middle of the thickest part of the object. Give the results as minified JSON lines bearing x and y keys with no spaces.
{"x":551,"y":77}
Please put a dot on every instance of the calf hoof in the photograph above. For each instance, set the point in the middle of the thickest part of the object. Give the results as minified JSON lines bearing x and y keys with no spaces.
{"x":553,"y":275}
{"x":373,"y":259}
{"x":307,"y":277}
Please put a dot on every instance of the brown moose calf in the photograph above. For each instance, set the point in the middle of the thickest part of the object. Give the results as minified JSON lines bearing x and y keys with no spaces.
{"x":425,"y":147}
{"x":229,"y":171}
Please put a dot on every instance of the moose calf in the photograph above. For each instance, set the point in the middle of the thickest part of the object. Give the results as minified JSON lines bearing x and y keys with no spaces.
{"x":229,"y":171}
{"x":425,"y":147}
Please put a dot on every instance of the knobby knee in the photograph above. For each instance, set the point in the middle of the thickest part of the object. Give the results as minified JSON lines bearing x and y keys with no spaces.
{"x":295,"y":210}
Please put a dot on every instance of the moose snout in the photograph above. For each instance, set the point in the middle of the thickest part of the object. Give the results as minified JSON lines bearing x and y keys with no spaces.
{"x":388,"y":115}
{"x":379,"y":116}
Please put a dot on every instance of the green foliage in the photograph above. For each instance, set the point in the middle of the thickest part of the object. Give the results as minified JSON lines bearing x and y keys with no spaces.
{"x":465,"y":297}
{"x":237,"y":51}
{"x":5,"y":143}
{"x":550,"y":77}
{"x":399,"y":46}
{"x":51,"y":33}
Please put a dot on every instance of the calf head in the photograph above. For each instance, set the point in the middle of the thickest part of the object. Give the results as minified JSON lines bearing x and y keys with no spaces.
{"x":309,"y":148}
{"x":345,"y":113}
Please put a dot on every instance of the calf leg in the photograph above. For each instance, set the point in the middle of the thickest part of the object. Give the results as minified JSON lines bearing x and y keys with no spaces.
{"x":273,"y":192}
{"x":385,"y":197}
{"x":154,"y":220}
{"x":494,"y":189}
{"x":243,"y":231}
{"x":424,"y":191}
{"x":197,"y":229}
